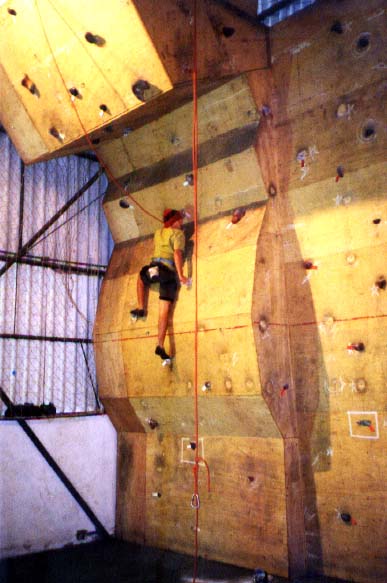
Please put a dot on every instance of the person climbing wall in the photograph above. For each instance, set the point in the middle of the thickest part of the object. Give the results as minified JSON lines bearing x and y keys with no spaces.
{"x":165,"y":268}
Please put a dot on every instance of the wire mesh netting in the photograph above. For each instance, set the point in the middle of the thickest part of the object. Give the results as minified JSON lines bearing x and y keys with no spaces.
{"x":48,"y":297}
{"x":280,"y":10}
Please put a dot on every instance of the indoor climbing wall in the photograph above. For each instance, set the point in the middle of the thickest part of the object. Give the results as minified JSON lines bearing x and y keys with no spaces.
{"x":153,"y":406}
{"x":327,"y":131}
{"x":72,"y":77}
{"x":292,"y":346}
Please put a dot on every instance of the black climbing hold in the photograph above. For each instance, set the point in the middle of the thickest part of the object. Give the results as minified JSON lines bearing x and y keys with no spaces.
{"x":381,"y":282}
{"x":55,"y":133}
{"x":12,"y":11}
{"x":337,"y":27}
{"x":103,"y":107}
{"x":228,"y":31}
{"x":30,"y":85}
{"x":139,"y":89}
{"x":308,"y":264}
{"x":74,"y":92}
{"x":377,"y":221}
{"x":192,"y":445}
{"x":152,"y":423}
{"x":340,"y":171}
{"x":358,"y":346}
{"x":189,"y":180}
{"x":124,"y":203}
{"x":95,"y":39}
{"x":95,"y":141}
{"x":345,"y":517}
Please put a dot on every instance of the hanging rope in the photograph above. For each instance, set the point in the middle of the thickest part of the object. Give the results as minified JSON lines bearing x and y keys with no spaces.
{"x":195,"y":500}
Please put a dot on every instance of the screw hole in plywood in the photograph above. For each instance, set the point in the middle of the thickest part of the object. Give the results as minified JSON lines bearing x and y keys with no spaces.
{"x":228,"y":31}
{"x":363,"y":43}
{"x":367,"y":132}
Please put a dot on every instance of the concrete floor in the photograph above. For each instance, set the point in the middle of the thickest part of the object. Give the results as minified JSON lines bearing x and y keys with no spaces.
{"x":120,"y":562}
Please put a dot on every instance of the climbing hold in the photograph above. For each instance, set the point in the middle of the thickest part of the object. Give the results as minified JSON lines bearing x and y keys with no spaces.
{"x":339,"y":173}
{"x":360,"y":385}
{"x":308,"y":264}
{"x":127,"y":131}
{"x":189,"y":180}
{"x":363,"y":42}
{"x":152,"y":423}
{"x":347,"y":518}
{"x":156,"y":495}
{"x":30,"y":85}
{"x":366,"y":423}
{"x":191,"y":445}
{"x":381,"y":282}
{"x":125,"y":204}
{"x":263,"y":325}
{"x":377,"y":221}
{"x":266,"y":111}
{"x":139,"y":88}
{"x":356,"y":346}
{"x":104,"y":109}
{"x":272,"y":190}
{"x":284,"y":389}
{"x":237,"y":215}
{"x":337,"y":27}
{"x":228,"y":31}
{"x":12,"y":11}
{"x":108,"y":129}
{"x":95,"y":39}
{"x":74,"y":93}
{"x":95,"y":141}
{"x":206,"y":387}
{"x":56,"y":134}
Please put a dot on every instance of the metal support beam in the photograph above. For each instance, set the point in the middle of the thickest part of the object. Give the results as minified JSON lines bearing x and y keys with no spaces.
{"x":4,"y":336}
{"x":55,"y":264}
{"x":101,"y":530}
{"x":53,"y":219}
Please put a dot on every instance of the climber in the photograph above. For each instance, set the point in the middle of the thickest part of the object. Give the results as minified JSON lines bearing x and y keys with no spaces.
{"x":165,"y":267}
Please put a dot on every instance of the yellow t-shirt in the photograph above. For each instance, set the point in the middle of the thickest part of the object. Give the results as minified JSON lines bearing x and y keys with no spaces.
{"x":166,"y":241}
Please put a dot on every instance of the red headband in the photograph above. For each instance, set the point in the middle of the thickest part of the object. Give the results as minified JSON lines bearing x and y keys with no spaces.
{"x":170,"y":216}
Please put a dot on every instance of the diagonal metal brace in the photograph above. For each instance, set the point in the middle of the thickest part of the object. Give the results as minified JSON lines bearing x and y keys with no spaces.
{"x":53,"y":219}
{"x":101,"y":530}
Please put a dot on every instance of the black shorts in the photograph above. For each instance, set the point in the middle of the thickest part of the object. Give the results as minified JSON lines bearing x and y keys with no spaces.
{"x":166,"y":278}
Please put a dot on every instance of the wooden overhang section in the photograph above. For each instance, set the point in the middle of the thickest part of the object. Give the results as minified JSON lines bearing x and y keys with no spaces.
{"x":67,"y":71}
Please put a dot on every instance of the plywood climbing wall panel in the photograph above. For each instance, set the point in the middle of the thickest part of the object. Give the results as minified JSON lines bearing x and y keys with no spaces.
{"x":246,"y":473}
{"x":333,"y":175}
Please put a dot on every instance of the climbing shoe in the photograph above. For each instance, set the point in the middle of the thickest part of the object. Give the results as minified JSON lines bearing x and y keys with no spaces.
{"x":137,"y":313}
{"x":161,"y":353}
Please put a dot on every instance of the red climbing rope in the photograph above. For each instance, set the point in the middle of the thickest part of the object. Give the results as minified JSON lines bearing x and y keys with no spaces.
{"x":86,"y":135}
{"x":195,"y":500}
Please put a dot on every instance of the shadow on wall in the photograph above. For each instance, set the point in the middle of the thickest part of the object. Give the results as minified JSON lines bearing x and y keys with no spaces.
{"x":287,"y":339}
